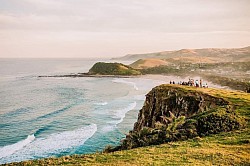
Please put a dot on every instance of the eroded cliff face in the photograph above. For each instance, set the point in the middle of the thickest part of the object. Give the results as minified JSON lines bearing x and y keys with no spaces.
{"x":164,"y":102}
{"x":172,"y":113}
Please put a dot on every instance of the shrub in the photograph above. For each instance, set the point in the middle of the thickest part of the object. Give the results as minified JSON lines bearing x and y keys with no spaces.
{"x":221,"y":120}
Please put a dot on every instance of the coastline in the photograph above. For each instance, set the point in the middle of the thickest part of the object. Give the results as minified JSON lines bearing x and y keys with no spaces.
{"x":165,"y":79}
{"x":88,"y":75}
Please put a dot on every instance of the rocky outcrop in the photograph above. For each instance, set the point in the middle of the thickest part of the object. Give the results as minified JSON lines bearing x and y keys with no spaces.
{"x":172,"y":113}
{"x":167,"y":101}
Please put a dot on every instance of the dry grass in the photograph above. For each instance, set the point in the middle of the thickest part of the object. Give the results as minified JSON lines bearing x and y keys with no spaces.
{"x":148,"y":63}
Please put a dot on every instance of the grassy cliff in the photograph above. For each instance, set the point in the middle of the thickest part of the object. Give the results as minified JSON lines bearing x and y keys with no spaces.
{"x":102,"y":68}
{"x":219,"y":146}
{"x":174,"y":113}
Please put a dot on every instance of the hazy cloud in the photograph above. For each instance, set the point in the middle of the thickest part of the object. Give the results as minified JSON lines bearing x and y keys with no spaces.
{"x":121,"y":24}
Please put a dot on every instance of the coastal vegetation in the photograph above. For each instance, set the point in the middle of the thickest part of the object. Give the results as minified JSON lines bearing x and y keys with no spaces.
{"x":102,"y":68}
{"x":233,"y":75}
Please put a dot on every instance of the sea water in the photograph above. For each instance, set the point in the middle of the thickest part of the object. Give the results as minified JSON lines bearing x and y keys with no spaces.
{"x":44,"y":117}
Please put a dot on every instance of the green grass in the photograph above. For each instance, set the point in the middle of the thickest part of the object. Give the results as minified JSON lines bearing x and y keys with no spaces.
{"x":229,"y":148}
{"x":222,"y":149}
{"x":102,"y":68}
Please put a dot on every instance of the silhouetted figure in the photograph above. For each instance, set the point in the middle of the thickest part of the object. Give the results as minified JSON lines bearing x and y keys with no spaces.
{"x":170,"y":82}
{"x":248,"y":90}
{"x":173,"y":82}
{"x":196,"y":83}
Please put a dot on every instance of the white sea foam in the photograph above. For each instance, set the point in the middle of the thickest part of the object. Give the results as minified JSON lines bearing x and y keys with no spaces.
{"x":54,"y":143}
{"x":108,"y":128}
{"x":10,"y":149}
{"x":103,"y":103}
{"x":120,"y":114}
{"x":64,"y":140}
{"x":119,"y":80}
{"x":139,"y":97}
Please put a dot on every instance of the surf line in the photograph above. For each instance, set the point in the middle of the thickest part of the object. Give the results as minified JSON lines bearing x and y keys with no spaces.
{"x":116,"y":80}
{"x":10,"y":149}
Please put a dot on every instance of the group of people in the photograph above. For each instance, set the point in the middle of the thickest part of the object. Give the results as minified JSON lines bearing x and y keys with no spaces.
{"x":191,"y":82}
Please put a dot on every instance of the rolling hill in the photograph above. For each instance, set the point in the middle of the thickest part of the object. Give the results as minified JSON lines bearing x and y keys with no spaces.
{"x":206,"y":55}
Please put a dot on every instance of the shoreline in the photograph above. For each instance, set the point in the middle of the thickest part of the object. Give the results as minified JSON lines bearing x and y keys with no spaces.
{"x":217,"y":82}
{"x":89,"y":75}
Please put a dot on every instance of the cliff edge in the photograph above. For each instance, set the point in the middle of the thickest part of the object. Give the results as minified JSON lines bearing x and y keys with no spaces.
{"x":173,"y":113}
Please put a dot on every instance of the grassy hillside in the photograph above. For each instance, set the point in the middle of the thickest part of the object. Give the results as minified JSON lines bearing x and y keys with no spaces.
{"x":206,"y":55}
{"x":228,"y":148}
{"x":102,"y":68}
{"x":147,"y":63}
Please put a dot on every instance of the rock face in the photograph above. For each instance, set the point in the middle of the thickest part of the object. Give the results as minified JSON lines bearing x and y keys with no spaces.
{"x":172,"y":113}
{"x":168,"y":101}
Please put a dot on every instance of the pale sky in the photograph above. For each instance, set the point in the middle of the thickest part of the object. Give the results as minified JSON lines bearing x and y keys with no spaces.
{"x":112,"y":28}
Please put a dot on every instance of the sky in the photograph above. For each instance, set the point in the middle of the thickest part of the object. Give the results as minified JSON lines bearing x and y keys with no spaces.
{"x":114,"y":28}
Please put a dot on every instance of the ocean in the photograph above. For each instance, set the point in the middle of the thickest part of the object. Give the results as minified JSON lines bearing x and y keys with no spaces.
{"x":51,"y":117}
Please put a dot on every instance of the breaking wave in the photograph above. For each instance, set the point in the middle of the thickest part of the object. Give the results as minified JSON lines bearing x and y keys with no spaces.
{"x":45,"y":147}
{"x":120,"y":114}
{"x":10,"y":149}
{"x":103,"y":103}
{"x":116,"y":80}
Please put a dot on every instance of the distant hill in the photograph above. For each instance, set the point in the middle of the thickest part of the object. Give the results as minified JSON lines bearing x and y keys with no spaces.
{"x":147,"y":63}
{"x":102,"y":68}
{"x":206,"y":55}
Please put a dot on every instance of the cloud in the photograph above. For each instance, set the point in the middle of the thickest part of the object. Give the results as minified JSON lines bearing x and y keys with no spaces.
{"x":49,"y":4}
{"x":123,"y":25}
{"x":128,"y":16}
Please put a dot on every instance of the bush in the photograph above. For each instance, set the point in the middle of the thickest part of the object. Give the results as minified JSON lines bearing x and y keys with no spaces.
{"x":221,"y":120}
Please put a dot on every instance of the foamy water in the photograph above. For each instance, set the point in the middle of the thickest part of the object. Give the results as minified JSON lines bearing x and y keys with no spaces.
{"x":119,"y":80}
{"x":10,"y":149}
{"x":45,"y":147}
{"x":103,"y":103}
{"x":120,"y":114}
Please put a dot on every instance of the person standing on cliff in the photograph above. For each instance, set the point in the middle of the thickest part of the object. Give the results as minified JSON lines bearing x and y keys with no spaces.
{"x":196,"y":83}
{"x":200,"y":83}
